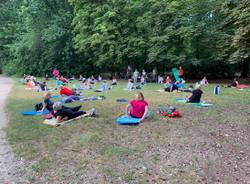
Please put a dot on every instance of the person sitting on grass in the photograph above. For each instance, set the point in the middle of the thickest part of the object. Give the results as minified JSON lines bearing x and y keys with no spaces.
{"x":85,"y":85}
{"x":138,"y":108}
{"x":171,"y":87}
{"x":64,"y":80}
{"x":63,"y":113}
{"x":143,"y":80}
{"x":30,"y":84}
{"x":160,"y":79}
{"x":130,"y":85}
{"x":168,"y":80}
{"x":204,"y":81}
{"x":42,"y":86}
{"x":99,"y":78}
{"x":196,"y":95}
{"x":104,"y":87}
{"x":59,"y":83}
{"x":92,"y":79}
{"x":80,"y":78}
{"x":114,"y":81}
{"x":234,"y":84}
{"x":47,"y":103}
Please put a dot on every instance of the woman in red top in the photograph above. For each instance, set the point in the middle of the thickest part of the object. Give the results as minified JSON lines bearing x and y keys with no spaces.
{"x":64,"y":80}
{"x":168,"y":80}
{"x":66,"y":91}
{"x":138,"y":108}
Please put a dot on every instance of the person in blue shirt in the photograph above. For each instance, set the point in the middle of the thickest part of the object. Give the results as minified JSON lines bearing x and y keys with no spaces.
{"x":47,"y":103}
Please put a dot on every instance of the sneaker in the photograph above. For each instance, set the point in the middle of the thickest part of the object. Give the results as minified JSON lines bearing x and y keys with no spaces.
{"x":102,"y":97}
{"x":91,"y":112}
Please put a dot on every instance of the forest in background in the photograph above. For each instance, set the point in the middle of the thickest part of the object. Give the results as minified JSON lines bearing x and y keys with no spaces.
{"x":205,"y":37}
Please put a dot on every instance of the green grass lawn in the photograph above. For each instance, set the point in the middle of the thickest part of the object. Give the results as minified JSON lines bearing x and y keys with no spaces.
{"x":206,"y":145}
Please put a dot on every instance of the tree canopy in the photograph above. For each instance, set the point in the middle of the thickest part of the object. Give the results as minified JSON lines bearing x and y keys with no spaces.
{"x":209,"y":37}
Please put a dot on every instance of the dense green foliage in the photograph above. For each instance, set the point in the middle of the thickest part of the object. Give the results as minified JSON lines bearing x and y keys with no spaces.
{"x":92,"y":36}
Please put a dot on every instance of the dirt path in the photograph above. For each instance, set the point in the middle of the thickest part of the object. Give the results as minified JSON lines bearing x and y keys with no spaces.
{"x":10,"y":166}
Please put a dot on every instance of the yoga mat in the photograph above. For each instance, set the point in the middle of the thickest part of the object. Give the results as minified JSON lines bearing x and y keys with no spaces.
{"x":183,"y":100}
{"x":34,"y":113}
{"x":175,"y":73}
{"x":242,"y":86}
{"x":200,"y":104}
{"x":127,"y":120}
{"x":52,"y":122}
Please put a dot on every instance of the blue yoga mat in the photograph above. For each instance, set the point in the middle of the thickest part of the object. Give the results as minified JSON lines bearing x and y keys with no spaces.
{"x":180,"y":85}
{"x":181,"y":100}
{"x":200,"y":104}
{"x":125,"y":120}
{"x":58,"y":96}
{"x":54,"y":96}
{"x":34,"y":113}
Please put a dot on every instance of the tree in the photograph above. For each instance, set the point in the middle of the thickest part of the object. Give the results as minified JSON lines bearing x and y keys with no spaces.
{"x":236,"y":25}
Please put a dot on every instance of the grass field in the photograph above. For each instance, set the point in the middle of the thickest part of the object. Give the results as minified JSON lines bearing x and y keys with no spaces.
{"x":206,"y":145}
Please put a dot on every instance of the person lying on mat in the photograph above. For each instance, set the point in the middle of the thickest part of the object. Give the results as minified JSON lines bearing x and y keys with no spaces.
{"x":138,"y":108}
{"x":63,"y":113}
{"x":68,"y":92}
{"x":196,"y":95}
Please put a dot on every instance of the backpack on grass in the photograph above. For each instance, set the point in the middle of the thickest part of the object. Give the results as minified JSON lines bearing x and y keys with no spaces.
{"x":39,"y":106}
{"x":217,"y":90}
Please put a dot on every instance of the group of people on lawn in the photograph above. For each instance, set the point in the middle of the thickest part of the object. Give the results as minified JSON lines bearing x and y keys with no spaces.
{"x":137,"y":108}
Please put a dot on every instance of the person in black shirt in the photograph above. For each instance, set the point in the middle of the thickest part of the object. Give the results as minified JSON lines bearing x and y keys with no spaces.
{"x":63,"y":113}
{"x":196,"y":95}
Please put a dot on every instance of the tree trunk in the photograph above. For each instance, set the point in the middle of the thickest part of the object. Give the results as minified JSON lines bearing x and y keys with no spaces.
{"x":245,"y":68}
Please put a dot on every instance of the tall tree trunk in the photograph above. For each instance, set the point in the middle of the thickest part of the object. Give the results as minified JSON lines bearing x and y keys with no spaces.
{"x":245,"y":68}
